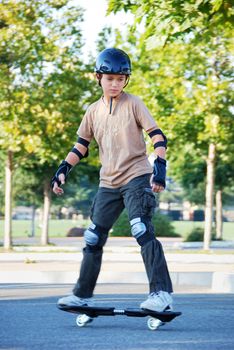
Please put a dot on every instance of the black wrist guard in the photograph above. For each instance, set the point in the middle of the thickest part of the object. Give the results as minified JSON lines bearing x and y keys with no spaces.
{"x":160,"y":172}
{"x":64,"y":168}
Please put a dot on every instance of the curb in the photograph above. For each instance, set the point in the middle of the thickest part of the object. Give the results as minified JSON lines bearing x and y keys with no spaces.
{"x":117,"y":254}
{"x":213,"y":273}
{"x":213,"y":282}
{"x":177,"y":245}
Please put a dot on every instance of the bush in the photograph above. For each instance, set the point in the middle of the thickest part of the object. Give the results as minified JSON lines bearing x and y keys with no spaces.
{"x":162,"y":225}
{"x":197,"y":235}
{"x":122,"y":227}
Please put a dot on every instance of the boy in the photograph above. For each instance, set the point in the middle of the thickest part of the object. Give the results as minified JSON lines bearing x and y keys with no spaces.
{"x":116,"y":121}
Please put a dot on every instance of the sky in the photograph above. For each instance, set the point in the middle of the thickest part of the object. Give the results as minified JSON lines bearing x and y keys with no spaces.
{"x":95,"y":19}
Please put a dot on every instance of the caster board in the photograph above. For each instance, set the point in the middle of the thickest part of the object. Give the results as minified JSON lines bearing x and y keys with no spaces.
{"x":86,"y":314}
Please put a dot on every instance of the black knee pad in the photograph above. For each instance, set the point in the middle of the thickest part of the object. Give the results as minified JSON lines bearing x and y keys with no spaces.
{"x":142,"y":229}
{"x":95,"y":237}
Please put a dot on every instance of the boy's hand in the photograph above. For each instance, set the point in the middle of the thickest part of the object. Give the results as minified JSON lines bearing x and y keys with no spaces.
{"x":56,"y":189}
{"x":60,"y":177}
{"x":156,"y":187}
{"x":158,"y":179}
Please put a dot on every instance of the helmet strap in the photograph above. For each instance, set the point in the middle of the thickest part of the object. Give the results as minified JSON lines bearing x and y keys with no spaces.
{"x":127,"y":81}
{"x":99,"y":78}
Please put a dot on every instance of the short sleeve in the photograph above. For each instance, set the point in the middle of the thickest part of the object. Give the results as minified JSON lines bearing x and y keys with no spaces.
{"x":85,"y":129}
{"x":143,"y":116}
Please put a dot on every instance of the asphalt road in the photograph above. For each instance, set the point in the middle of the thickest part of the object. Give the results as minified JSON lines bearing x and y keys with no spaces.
{"x":29,"y":319}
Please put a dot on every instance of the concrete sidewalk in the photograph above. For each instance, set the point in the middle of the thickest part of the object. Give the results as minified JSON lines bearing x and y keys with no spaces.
{"x":74,"y":243}
{"x":122,"y":263}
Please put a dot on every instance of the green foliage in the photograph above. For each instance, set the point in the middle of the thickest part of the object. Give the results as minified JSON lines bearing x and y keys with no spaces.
{"x":166,"y":21}
{"x":104,"y":39}
{"x":2,"y":184}
{"x":189,"y":169}
{"x":191,"y":110}
{"x":27,"y":187}
{"x":187,"y":86}
{"x":162,"y":224}
{"x":80,"y":190}
{"x":45,"y":88}
{"x":122,"y":227}
{"x":197,"y":235}
{"x":44,"y":83}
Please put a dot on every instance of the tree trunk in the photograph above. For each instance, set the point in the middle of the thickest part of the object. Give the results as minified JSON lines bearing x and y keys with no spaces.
{"x":33,"y":221}
{"x":46,"y":213}
{"x":209,"y":196}
{"x":8,"y":201}
{"x":219,"y":215}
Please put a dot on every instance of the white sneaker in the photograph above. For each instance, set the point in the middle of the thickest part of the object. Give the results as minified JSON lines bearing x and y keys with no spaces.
{"x":73,"y":300}
{"x":158,"y":301}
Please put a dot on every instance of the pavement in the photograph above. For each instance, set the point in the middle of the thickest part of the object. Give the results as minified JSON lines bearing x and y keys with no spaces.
{"x":30,"y":320}
{"x":191,"y":269}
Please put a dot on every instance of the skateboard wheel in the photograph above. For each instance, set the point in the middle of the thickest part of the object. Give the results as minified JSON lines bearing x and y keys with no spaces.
{"x":153,"y":323}
{"x":82,"y":320}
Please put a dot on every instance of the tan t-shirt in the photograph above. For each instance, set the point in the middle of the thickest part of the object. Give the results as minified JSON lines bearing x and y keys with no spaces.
{"x":119,"y":135}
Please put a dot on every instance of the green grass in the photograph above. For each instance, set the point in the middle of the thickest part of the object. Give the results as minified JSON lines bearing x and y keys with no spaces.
{"x":185,"y":227}
{"x":59,"y":228}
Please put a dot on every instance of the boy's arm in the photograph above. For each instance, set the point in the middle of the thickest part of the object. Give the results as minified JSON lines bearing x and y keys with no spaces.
{"x":79,"y":151}
{"x":160,"y":150}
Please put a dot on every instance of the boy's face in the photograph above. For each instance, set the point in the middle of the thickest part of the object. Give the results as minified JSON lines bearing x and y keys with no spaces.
{"x":113,"y":84}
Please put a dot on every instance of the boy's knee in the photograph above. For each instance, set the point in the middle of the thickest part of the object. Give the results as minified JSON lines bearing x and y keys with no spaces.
{"x":95,"y":236}
{"x":141,"y":229}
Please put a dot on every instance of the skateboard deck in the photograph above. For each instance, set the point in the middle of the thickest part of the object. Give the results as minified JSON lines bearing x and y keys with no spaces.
{"x":88,"y":313}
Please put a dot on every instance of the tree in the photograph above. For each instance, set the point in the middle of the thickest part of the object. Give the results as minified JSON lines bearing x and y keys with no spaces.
{"x":42,"y":88}
{"x":187,"y":84}
{"x":2,"y":160}
{"x":166,"y":21}
{"x":60,"y":114}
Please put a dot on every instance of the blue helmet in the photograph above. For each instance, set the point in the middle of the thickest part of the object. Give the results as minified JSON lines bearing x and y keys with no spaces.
{"x":113,"y":61}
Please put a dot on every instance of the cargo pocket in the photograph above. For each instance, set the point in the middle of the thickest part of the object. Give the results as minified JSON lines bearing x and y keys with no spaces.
{"x":148,"y":202}
{"x":92,"y":207}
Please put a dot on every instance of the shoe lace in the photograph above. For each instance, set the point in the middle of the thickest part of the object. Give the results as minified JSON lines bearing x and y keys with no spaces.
{"x":154,"y":294}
